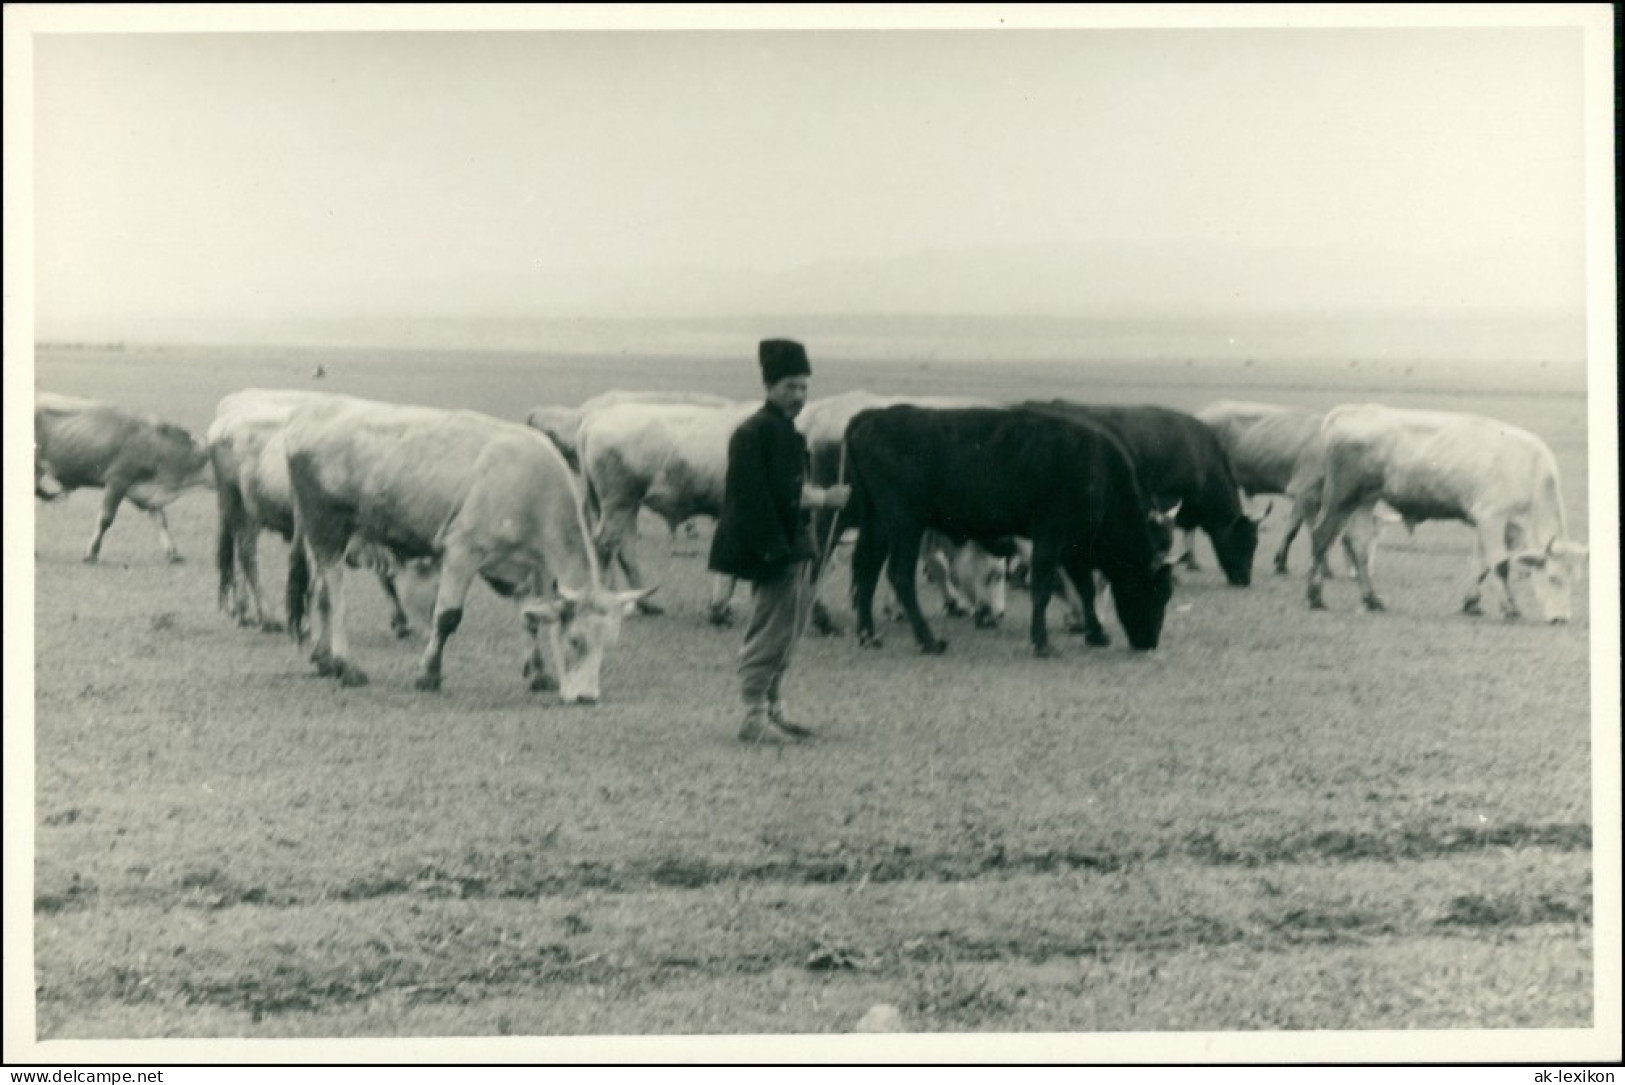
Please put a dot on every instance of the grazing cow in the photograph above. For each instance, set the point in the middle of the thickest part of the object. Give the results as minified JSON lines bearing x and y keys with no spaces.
{"x":1181,"y":463}
{"x":671,"y":458}
{"x":484,"y":497}
{"x":1437,"y":465}
{"x":994,"y":474}
{"x":970,"y":575}
{"x":246,"y":446}
{"x":81,"y":442}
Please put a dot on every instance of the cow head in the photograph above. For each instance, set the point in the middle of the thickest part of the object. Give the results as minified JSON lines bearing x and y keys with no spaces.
{"x":1552,"y":573}
{"x":1236,"y":543}
{"x":983,"y":578}
{"x":1163,"y":522}
{"x":1140,"y":597}
{"x":581,"y":627}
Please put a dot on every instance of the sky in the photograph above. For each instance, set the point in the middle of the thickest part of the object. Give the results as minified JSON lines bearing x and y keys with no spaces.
{"x":261,"y":176}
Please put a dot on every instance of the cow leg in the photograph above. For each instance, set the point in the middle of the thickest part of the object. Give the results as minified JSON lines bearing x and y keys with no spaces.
{"x":868,"y":558}
{"x":1187,"y":559}
{"x":248,"y":581}
{"x":111,"y":497}
{"x":338,"y":637}
{"x":457,"y":573}
{"x":1491,"y":553}
{"x":940,"y":576}
{"x":1045,"y":571}
{"x":617,"y":542}
{"x":719,"y":607}
{"x":164,"y":540}
{"x":399,"y":622}
{"x":1294,"y":522}
{"x":901,"y":568}
{"x":1359,"y":537}
{"x":1078,"y":589}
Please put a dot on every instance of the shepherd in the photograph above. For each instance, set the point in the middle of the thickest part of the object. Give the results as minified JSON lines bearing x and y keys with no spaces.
{"x":764,"y":536}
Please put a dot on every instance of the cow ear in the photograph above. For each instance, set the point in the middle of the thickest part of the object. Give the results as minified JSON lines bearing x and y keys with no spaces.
{"x":547,"y":612}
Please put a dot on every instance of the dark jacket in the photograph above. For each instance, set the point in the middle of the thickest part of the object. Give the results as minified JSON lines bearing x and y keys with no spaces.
{"x":763,"y":530}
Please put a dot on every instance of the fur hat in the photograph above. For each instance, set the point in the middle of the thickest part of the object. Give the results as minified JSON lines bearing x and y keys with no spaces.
{"x":782,"y":358}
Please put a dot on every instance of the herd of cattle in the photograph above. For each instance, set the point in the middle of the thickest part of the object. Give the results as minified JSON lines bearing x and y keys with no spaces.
{"x":545,"y":513}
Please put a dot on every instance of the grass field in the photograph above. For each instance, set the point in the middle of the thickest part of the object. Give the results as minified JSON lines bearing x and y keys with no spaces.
{"x":1281,"y":819}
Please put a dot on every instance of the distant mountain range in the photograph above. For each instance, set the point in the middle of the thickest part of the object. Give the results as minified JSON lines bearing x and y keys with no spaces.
{"x":1128,"y":300}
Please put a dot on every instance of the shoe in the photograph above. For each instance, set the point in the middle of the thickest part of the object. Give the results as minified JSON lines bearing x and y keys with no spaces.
{"x":759,"y":730}
{"x":775,"y":714}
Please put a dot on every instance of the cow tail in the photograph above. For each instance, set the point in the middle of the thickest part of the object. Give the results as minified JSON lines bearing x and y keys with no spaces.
{"x":225,"y":543}
{"x":298,"y":594}
{"x":860,"y":510}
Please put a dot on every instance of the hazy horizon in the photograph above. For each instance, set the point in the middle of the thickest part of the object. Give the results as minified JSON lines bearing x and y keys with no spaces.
{"x":265,"y":179}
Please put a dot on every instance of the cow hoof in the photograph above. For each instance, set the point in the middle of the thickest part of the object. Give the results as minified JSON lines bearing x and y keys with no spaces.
{"x":935,"y":648}
{"x":1374,"y":603}
{"x":325,"y":666}
{"x":176,"y":559}
{"x":954,"y":610}
{"x":90,"y":559}
{"x":351,"y":676}
{"x":543,"y":683}
{"x":651,"y":609}
{"x":722,"y":619}
{"x":427,"y":683}
{"x":1473,"y":608}
{"x":1096,"y":638}
{"x":869,"y":640}
{"x":402,"y":630}
{"x":269,"y":626}
{"x":1044,"y":651}
{"x":1511,"y":615}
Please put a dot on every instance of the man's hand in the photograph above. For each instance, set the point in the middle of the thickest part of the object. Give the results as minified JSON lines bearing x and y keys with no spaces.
{"x":836,"y":497}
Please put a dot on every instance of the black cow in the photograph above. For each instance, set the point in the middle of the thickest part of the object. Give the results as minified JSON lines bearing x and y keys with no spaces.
{"x":994,"y":473}
{"x":1181,"y":462}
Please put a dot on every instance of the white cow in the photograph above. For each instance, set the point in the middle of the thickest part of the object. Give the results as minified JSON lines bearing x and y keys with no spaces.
{"x":671,"y":458}
{"x":246,"y":447}
{"x":486,"y":498}
{"x":1436,"y":465}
